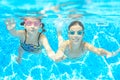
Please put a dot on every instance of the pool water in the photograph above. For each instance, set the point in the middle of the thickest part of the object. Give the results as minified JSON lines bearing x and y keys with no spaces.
{"x":101,"y":21}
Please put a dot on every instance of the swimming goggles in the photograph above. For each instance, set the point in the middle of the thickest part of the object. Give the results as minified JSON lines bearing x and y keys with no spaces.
{"x":73,"y":32}
{"x":35,"y":23}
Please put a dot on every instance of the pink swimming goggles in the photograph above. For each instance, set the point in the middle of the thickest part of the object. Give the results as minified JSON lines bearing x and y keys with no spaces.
{"x":30,"y":23}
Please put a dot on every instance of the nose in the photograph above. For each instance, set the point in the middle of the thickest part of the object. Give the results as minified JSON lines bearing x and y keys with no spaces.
{"x":32,"y":26}
{"x":75,"y":37}
{"x":75,"y":34}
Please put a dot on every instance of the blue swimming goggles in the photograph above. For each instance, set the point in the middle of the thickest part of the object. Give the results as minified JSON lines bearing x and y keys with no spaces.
{"x":80,"y":32}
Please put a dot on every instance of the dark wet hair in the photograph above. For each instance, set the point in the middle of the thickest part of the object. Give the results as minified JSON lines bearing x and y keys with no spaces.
{"x":74,"y":23}
{"x":22,"y":23}
{"x":43,"y":30}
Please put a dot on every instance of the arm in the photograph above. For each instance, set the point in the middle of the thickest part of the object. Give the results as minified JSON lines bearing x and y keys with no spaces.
{"x":10,"y":24}
{"x":60,"y":53}
{"x":46,"y":45}
{"x":99,"y":51}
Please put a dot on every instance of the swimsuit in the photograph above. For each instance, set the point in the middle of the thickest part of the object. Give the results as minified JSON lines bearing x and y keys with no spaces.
{"x":68,"y":51}
{"x":31,"y":47}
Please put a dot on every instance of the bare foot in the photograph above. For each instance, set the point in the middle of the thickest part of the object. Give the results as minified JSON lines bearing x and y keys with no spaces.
{"x":18,"y":60}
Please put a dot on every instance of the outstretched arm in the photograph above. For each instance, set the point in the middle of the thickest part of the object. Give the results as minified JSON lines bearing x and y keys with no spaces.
{"x":46,"y":45}
{"x":10,"y":24}
{"x":99,"y":51}
{"x":60,"y":53}
{"x":55,"y":57}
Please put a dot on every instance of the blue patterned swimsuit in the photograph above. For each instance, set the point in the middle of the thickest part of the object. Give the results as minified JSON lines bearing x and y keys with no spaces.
{"x":31,"y":47}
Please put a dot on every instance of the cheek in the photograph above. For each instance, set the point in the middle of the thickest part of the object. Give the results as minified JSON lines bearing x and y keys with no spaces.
{"x":80,"y":36}
{"x":36,"y":27}
{"x":71,"y":36}
{"x":26,"y":27}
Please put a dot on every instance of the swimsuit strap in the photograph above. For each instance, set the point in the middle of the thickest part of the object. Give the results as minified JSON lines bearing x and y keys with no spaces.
{"x":25,"y":36}
{"x":39,"y":39}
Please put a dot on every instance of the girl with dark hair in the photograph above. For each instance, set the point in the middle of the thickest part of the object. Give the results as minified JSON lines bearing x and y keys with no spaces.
{"x":31,"y":40}
{"x":75,"y":46}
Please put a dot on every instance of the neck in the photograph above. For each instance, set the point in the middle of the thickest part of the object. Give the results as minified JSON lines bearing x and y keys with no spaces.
{"x":76,"y":46}
{"x":32,"y":35}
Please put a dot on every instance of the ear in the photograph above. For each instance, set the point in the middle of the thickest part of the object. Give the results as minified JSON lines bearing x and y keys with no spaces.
{"x":40,"y":25}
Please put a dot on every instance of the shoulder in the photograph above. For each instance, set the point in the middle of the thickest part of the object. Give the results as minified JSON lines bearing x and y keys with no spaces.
{"x":43,"y":38}
{"x":88,"y":45}
{"x":85,"y":43}
{"x":20,"y":33}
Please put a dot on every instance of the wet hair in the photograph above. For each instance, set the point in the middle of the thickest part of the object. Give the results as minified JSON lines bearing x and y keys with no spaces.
{"x":22,"y":23}
{"x":43,"y":30}
{"x":74,"y":23}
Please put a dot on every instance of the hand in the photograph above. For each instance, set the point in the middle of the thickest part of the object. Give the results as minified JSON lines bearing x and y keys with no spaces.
{"x":109,"y":55}
{"x":55,"y":58}
{"x":10,"y":23}
{"x":116,"y":52}
{"x":105,"y":52}
{"x":59,"y":57}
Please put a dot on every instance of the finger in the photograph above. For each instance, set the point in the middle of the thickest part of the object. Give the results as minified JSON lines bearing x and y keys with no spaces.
{"x":7,"y":21}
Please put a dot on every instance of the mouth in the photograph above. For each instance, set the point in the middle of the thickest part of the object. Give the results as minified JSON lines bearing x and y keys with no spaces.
{"x":32,"y":30}
{"x":76,"y":40}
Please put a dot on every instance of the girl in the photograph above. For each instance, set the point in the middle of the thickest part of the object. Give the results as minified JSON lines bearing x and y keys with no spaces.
{"x":75,"y":46}
{"x":31,"y":40}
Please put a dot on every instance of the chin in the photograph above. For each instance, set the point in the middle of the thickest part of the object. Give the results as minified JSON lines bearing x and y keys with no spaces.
{"x":76,"y":42}
{"x":32,"y":30}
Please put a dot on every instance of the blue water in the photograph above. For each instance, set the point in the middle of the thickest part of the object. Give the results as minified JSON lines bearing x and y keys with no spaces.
{"x":101,"y":21}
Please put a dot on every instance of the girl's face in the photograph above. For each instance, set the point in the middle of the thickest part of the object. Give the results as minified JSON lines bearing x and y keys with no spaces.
{"x":76,"y":34}
{"x":32,"y":24}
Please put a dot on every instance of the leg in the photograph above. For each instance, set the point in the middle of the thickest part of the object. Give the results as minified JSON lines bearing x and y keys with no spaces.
{"x":20,"y":53}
